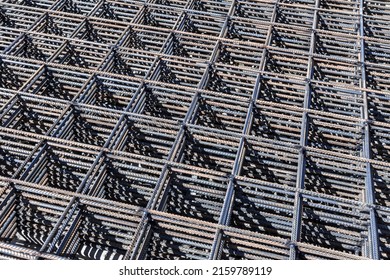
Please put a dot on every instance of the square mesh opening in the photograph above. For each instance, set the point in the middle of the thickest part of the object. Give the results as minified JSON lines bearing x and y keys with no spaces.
{"x":127,"y":179}
{"x":194,"y":194}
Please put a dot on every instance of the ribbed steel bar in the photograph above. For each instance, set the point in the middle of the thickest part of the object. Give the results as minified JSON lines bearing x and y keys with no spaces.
{"x":300,"y":184}
{"x":370,"y":191}
{"x":236,"y":170}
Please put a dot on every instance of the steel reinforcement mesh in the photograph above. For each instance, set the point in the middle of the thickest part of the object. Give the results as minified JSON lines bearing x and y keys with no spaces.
{"x":175,"y":129}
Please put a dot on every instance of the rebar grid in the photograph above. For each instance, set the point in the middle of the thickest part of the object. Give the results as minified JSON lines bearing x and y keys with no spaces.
{"x":191,"y":129}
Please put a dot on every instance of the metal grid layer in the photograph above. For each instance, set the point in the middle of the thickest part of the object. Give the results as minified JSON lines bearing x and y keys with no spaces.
{"x":191,"y":129}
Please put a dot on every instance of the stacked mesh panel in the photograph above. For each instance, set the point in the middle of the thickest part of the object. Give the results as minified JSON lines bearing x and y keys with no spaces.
{"x":175,"y":129}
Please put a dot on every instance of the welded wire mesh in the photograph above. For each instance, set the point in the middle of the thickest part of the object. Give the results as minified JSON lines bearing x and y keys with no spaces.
{"x":192,"y":129}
